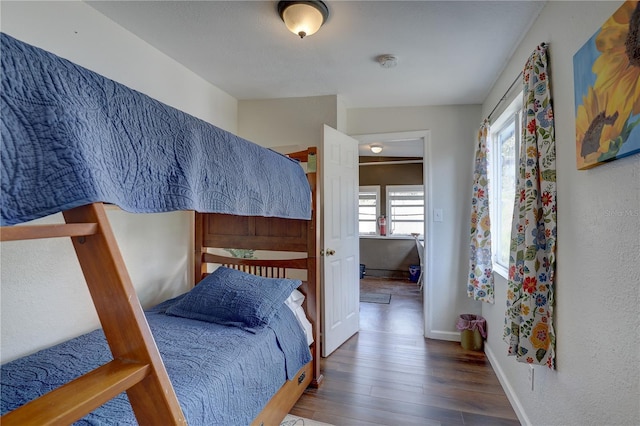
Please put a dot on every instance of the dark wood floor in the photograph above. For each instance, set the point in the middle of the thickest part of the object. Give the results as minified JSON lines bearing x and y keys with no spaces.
{"x":388,"y":374}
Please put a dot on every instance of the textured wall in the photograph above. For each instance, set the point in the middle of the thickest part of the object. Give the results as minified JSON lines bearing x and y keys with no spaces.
{"x":44,"y":297}
{"x":289,"y":124}
{"x":597,"y":381}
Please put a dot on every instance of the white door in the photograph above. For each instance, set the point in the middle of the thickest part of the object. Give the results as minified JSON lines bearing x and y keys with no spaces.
{"x":341,"y":246}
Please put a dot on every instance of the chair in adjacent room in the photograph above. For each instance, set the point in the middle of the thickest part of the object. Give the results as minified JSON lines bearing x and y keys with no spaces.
{"x":420,"y":248}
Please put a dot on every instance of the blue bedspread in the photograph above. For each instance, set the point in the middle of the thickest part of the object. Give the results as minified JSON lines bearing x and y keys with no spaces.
{"x":72,"y":137}
{"x":222,"y":375}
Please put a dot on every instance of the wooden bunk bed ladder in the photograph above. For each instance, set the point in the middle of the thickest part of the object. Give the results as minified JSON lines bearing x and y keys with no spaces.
{"x":137,"y":367}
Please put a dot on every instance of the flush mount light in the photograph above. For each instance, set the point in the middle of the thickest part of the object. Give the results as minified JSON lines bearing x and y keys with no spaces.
{"x":376,"y":149}
{"x":303,"y":18}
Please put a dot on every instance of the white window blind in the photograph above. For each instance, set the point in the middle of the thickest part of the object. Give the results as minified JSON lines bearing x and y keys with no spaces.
{"x":368,"y":209}
{"x":405,"y":207}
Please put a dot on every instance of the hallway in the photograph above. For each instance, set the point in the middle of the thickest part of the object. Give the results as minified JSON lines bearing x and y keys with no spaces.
{"x":403,"y":315}
{"x":388,"y":374}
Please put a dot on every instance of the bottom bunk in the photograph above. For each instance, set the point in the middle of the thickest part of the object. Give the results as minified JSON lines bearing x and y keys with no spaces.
{"x":223,"y":374}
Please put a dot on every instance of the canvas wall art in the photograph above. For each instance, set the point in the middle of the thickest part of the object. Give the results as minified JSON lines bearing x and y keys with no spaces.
{"x":607,"y":90}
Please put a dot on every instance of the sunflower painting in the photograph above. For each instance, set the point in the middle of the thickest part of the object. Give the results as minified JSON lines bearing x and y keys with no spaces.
{"x":607,"y":90}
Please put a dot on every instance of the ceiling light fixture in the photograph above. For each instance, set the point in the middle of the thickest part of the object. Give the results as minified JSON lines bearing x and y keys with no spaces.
{"x":376,"y":149}
{"x":303,"y":18}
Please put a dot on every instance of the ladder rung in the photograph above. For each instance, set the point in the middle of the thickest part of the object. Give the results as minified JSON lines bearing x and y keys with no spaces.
{"x":79,"y":397}
{"x":15,"y":233}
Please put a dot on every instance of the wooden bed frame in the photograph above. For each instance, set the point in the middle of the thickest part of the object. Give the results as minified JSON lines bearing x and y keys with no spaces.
{"x":137,"y":367}
{"x":213,"y":230}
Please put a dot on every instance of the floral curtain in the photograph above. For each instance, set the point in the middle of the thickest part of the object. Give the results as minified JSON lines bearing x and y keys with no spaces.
{"x":480,"y":286}
{"x":530,"y":289}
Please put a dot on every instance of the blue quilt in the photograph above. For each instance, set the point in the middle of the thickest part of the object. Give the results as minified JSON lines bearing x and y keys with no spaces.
{"x":222,"y":375}
{"x":72,"y":137}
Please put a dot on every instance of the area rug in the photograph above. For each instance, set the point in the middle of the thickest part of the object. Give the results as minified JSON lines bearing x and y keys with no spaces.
{"x":292,"y":420}
{"x":384,"y":298}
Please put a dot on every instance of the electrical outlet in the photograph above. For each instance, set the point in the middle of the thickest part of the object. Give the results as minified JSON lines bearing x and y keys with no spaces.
{"x":531,"y":371}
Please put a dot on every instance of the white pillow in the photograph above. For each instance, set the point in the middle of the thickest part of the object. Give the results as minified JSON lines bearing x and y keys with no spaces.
{"x":294,"y":302}
{"x":304,"y":322}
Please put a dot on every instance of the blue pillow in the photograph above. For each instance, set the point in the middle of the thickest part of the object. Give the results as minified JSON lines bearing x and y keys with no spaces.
{"x":231,"y":297}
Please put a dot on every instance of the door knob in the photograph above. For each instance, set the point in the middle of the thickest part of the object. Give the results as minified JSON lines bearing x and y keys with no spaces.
{"x":328,"y":252}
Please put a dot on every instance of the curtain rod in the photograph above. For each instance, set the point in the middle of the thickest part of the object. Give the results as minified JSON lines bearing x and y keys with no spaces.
{"x":504,"y":97}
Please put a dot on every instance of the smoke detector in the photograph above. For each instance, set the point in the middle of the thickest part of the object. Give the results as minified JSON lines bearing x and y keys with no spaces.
{"x":387,"y":61}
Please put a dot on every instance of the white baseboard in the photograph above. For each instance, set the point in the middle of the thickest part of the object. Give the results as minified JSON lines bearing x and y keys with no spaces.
{"x":451,"y":336}
{"x":506,"y":386}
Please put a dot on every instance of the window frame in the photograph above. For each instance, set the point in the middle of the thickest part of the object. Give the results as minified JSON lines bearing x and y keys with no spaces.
{"x":368,"y":189}
{"x":512,"y":115}
{"x":389,"y":200}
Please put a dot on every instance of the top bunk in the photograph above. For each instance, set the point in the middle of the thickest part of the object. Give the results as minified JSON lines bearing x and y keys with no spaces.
{"x":72,"y":137}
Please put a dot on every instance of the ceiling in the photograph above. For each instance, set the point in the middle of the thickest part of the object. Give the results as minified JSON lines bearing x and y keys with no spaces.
{"x":449,"y":52}
{"x":393,"y":148}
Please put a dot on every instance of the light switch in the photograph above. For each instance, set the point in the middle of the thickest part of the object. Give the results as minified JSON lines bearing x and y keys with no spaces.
{"x":437,"y":215}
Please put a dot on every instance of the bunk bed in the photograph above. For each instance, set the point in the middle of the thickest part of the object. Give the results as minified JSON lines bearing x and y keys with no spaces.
{"x":73,"y":140}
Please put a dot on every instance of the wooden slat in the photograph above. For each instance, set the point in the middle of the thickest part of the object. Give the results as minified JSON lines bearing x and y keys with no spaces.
{"x":312,"y":286}
{"x":301,"y":156}
{"x":31,"y":232}
{"x":74,"y":400}
{"x":200,"y":268}
{"x":261,"y":267}
{"x":261,"y":271}
{"x":283,"y":263}
{"x":251,"y":232}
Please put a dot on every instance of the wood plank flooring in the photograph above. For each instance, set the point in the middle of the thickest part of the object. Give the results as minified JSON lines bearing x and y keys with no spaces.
{"x":389,"y":374}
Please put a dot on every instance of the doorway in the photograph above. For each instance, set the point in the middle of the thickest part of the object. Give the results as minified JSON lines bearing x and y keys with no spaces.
{"x":398,"y":149}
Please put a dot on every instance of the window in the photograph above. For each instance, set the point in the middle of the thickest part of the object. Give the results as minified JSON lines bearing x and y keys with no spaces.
{"x":405,"y":207}
{"x":368,"y":209}
{"x":503,"y":159}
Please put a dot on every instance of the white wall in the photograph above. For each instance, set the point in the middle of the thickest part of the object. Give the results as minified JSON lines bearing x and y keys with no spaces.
{"x":451,"y":149}
{"x":290,"y":124}
{"x":295,"y":123}
{"x":597,"y":381}
{"x":44,"y":299}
